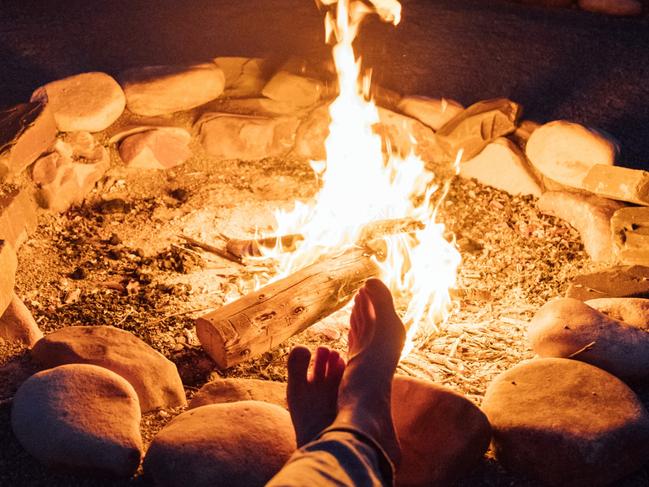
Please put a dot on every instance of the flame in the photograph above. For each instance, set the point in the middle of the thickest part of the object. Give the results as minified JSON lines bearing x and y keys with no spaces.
{"x":361,"y":184}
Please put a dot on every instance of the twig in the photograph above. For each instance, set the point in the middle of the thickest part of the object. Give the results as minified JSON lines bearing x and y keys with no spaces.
{"x":582,"y":350}
{"x":211,"y":249}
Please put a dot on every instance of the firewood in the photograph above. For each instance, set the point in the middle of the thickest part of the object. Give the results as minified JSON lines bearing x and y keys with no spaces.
{"x":261,"y":320}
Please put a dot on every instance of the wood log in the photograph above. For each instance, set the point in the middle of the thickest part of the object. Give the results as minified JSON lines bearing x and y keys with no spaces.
{"x":263,"y":319}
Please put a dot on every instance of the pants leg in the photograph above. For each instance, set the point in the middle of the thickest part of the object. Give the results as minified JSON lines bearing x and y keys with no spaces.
{"x":338,"y":457}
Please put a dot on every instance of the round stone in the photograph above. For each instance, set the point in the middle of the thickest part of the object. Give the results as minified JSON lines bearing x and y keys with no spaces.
{"x":232,"y":390}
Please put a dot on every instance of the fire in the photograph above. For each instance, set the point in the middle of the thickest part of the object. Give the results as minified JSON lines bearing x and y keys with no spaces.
{"x":361,"y":184}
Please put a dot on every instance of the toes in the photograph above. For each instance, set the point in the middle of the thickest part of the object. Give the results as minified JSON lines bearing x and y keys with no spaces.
{"x":335,"y":369}
{"x":379,"y":296}
{"x":298,"y":365}
{"x":320,"y":364}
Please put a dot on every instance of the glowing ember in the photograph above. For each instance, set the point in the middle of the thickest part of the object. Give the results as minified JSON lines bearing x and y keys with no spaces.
{"x":361,"y":184}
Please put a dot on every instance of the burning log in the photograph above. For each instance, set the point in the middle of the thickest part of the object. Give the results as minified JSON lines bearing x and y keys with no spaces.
{"x":261,"y":320}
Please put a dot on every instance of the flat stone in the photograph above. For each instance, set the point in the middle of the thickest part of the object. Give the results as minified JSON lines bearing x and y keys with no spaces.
{"x":244,"y":77}
{"x":633,"y":311}
{"x":292,"y":88}
{"x":26,"y":131}
{"x":160,"y":90}
{"x":79,"y":417}
{"x":17,"y":325}
{"x":239,"y":444}
{"x":8,"y":264}
{"x":565,"y":422}
{"x":86,"y":101}
{"x":616,"y":282}
{"x":154,"y":378}
{"x":630,"y":229}
{"x":18,"y":215}
{"x":312,"y":133}
{"x":442,"y":434}
{"x":589,"y":214}
{"x":569,"y":328}
{"x":434,"y":112}
{"x":618,"y":183}
{"x":502,"y":165}
{"x":246,"y":137}
{"x":565,"y":151}
{"x":232,"y":390}
{"x":622,"y":8}
{"x":161,"y":148}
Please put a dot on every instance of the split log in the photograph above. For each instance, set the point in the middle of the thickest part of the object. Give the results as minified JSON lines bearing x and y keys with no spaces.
{"x":260,"y":321}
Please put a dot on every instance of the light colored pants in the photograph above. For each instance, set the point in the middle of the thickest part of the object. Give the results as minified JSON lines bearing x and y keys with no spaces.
{"x":340,"y":456}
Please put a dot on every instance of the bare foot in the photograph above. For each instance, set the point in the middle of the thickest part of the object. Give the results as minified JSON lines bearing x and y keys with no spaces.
{"x":313,"y":398}
{"x":376,"y":339}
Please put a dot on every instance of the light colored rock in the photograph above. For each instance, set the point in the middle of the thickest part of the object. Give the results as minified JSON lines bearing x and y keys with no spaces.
{"x":589,"y":214}
{"x":17,"y":325}
{"x":8,"y":264}
{"x":295,"y":89}
{"x":160,"y":90}
{"x":239,"y":444}
{"x":502,"y":165}
{"x":630,"y":229}
{"x":161,"y":148}
{"x":566,"y":423}
{"x":26,"y":131}
{"x":618,"y":183}
{"x":442,"y":434}
{"x":79,"y":417}
{"x":246,"y":137}
{"x":434,"y":112}
{"x":244,"y":77}
{"x":312,"y":133}
{"x":86,"y":101}
{"x":18,"y":215}
{"x":632,"y":311}
{"x":523,"y":132}
{"x":568,"y":328}
{"x":232,"y":390}
{"x":565,"y":151}
{"x":155,"y":378}
{"x":260,"y":106}
{"x":622,"y":8}
{"x":616,"y":282}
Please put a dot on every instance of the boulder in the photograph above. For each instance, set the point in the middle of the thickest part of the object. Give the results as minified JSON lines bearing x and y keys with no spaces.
{"x":161,"y":148}
{"x":618,"y":183}
{"x":565,"y":422}
{"x":502,"y":165}
{"x":244,"y":77}
{"x":154,"y":378}
{"x":565,"y":151}
{"x":246,"y":137}
{"x":17,"y":325}
{"x":630,"y":230}
{"x":312,"y":133}
{"x":26,"y":131}
{"x":297,"y":90}
{"x":589,"y":214}
{"x":569,"y":328}
{"x":623,"y":8}
{"x":616,"y":282}
{"x":160,"y":90}
{"x":523,"y":132}
{"x":434,"y":112}
{"x":232,"y":390}
{"x":240,"y":444}
{"x":18,"y":215}
{"x":79,"y":417}
{"x":8,"y":264}
{"x":632,"y":311}
{"x":87,"y":101}
{"x":442,"y":434}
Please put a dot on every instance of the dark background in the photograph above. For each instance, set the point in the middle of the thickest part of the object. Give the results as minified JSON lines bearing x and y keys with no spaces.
{"x":558,"y":63}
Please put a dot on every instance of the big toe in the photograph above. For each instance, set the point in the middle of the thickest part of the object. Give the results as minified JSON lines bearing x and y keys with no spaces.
{"x":380,"y":296}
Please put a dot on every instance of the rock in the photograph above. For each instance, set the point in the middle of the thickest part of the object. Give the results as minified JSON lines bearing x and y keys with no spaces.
{"x":502,"y":165}
{"x":123,"y":131}
{"x":633,"y":311}
{"x":565,"y":151}
{"x":630,"y":229}
{"x":434,"y":112}
{"x":294,"y":89}
{"x":618,"y":183}
{"x":87,"y":101}
{"x":8,"y":264}
{"x":480,"y":124}
{"x":244,"y":77}
{"x":622,"y":8}
{"x":246,"y":137}
{"x":79,"y":417}
{"x":161,"y":148}
{"x":589,"y":214}
{"x":154,"y":378}
{"x":17,"y":325}
{"x":240,"y":444}
{"x":617,"y":282}
{"x":523,"y":132}
{"x":569,"y":328}
{"x":232,"y":390}
{"x":549,"y":3}
{"x":312,"y":133}
{"x":18,"y":215}
{"x":26,"y":131}
{"x":566,"y":423}
{"x":160,"y":90}
{"x":442,"y":434}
